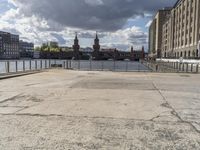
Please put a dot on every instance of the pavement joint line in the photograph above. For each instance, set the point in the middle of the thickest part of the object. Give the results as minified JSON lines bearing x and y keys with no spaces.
{"x":87,"y":117}
{"x":160,"y":115}
{"x":13,"y":106}
{"x":23,"y":108}
{"x":173,"y":112}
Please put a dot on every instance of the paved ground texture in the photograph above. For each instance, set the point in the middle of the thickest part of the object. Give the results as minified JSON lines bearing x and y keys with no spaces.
{"x":73,"y":110}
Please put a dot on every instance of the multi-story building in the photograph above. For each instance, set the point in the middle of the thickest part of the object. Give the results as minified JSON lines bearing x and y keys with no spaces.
{"x":181,"y":30}
{"x":152,"y":37}
{"x":9,"y":45}
{"x":167,"y":38}
{"x":26,"y":49}
{"x":155,"y":34}
{"x":52,"y":44}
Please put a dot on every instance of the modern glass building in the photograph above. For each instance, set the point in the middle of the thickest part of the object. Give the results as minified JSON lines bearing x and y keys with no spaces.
{"x":9,"y":45}
{"x":26,"y":49}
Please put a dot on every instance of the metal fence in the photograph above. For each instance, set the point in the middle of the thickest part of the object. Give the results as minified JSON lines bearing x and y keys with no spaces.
{"x":177,"y":67}
{"x":121,"y":66}
{"x":14,"y":66}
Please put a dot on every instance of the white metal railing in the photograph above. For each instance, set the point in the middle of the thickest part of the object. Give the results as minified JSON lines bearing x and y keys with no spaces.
{"x":123,"y":66}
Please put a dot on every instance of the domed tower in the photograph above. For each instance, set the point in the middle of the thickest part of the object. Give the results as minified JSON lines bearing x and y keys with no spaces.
{"x":76,"y":48}
{"x":96,"y":47}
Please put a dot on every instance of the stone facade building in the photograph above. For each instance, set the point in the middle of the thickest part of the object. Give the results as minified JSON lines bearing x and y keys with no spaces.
{"x":155,"y":33}
{"x":181,"y":30}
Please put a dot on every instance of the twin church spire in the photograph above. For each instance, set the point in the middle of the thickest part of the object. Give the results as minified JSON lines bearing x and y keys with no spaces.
{"x":76,"y":47}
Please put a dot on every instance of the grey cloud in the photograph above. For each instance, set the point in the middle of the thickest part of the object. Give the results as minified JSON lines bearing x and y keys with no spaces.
{"x":59,"y":38}
{"x":119,"y":46}
{"x":102,"y":15}
{"x":137,"y":39}
{"x":91,"y":35}
{"x":12,"y":30}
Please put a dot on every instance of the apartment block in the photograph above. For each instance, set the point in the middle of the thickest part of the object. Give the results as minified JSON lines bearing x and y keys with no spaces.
{"x":155,"y":32}
{"x":181,"y":30}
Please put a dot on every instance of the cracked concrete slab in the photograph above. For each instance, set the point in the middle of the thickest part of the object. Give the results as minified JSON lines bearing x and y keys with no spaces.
{"x":39,"y":132}
{"x":61,"y":109}
{"x":9,"y":110}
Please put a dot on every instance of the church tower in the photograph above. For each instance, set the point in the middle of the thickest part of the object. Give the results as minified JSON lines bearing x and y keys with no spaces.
{"x":132,"y":58}
{"x":96,"y":48}
{"x":76,"y":48}
{"x":143,"y":52}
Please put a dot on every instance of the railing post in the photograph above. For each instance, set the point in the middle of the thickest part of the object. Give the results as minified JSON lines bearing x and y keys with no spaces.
{"x":177,"y":65}
{"x":24,"y":66}
{"x":30,"y":65}
{"x":156,"y":67}
{"x":41,"y":64}
{"x":7,"y":67}
{"x":16,"y":66}
{"x":191,"y":67}
{"x":67,"y":64}
{"x":49,"y":63}
{"x":64,"y":64}
{"x":183,"y":67}
{"x":70,"y":64}
{"x":179,"y":69}
{"x":197,"y":68}
{"x":45,"y":64}
{"x":187,"y":67}
{"x":35,"y":64}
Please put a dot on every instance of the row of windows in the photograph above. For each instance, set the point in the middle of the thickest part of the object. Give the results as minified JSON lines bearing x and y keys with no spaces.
{"x":182,"y":6}
{"x":185,"y":54}
{"x":180,"y":31}
{"x":11,"y":50}
{"x":11,"y":53}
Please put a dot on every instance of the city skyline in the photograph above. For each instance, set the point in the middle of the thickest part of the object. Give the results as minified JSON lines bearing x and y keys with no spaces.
{"x":120,"y":24}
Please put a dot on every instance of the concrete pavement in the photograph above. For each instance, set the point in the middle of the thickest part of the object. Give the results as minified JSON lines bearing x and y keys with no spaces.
{"x":61,"y":109}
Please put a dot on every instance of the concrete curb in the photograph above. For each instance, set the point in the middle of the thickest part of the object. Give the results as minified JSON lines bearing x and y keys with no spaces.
{"x":18,"y":74}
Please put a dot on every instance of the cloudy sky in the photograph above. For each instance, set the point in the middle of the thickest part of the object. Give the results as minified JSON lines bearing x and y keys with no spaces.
{"x":120,"y":23}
